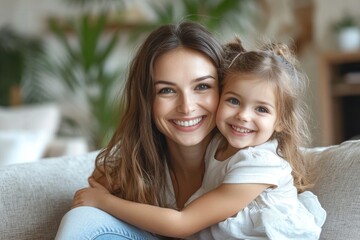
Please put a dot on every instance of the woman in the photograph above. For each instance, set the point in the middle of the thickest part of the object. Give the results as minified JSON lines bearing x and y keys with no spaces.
{"x":156,"y":156}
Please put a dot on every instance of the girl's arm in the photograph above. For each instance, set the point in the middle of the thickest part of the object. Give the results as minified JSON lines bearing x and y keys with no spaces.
{"x":213,"y":207}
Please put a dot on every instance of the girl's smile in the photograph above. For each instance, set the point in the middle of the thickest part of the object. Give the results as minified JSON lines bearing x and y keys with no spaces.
{"x":247,"y":111}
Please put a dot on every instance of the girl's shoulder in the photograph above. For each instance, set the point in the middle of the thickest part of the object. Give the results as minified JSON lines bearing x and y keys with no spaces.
{"x":260,"y":164}
{"x":262,"y":154}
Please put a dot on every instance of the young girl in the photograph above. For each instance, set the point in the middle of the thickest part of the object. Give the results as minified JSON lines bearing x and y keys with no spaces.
{"x":253,"y":186}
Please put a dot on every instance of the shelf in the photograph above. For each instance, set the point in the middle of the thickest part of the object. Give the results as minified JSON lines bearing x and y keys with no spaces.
{"x":346,"y":89}
{"x":341,"y":57}
{"x":339,"y":94}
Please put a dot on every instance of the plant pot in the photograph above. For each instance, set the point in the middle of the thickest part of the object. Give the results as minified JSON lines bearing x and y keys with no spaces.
{"x":349,"y":39}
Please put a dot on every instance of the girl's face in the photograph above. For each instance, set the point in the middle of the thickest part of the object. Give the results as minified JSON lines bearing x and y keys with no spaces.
{"x":247,"y":111}
{"x":187,"y":96}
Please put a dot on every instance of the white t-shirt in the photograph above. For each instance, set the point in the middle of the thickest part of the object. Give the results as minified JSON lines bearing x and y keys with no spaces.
{"x":277,"y":213}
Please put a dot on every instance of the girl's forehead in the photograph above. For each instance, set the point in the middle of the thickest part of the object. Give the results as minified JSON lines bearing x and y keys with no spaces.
{"x":244,"y":77}
{"x":250,"y":82}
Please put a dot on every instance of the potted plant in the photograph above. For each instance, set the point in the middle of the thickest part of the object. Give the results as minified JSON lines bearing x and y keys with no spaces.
{"x":348,"y":33}
{"x":84,"y":75}
{"x":19,"y":62}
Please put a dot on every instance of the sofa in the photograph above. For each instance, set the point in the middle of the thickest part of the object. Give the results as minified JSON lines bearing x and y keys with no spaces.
{"x":30,"y":132}
{"x":34,"y":196}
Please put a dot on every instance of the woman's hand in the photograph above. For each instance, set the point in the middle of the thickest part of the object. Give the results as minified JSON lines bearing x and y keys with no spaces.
{"x":98,"y":175}
{"x":90,"y":196}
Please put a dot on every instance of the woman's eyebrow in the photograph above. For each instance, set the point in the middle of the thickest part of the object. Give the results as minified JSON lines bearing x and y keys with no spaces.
{"x":164,"y":82}
{"x":199,"y":79}
{"x":203,"y":78}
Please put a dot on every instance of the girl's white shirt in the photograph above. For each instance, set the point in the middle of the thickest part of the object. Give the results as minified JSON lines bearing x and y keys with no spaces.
{"x":277,"y":213}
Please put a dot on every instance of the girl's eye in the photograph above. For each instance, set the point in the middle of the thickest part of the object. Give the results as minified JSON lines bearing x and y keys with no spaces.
{"x":202,"y":87}
{"x":262,"y":109}
{"x":234,"y":101}
{"x":166,"y":91}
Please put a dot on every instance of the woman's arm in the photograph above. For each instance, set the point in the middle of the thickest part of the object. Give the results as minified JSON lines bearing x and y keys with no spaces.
{"x":213,"y":207}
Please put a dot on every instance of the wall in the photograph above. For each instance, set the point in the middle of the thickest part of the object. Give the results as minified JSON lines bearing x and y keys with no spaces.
{"x":328,"y":11}
{"x":27,"y":16}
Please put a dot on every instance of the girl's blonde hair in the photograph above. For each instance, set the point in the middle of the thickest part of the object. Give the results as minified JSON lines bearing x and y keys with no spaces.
{"x":276,"y":63}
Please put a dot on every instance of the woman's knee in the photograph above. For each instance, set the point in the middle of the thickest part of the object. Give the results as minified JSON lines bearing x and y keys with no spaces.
{"x":83,"y":223}
{"x":92,"y":223}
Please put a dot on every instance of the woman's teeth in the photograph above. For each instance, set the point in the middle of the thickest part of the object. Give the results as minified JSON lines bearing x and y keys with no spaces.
{"x":190,"y":123}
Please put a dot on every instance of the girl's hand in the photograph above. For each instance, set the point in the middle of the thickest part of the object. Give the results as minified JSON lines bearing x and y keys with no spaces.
{"x":90,"y":196}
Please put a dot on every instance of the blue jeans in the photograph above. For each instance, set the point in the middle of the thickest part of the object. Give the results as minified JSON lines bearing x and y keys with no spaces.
{"x":93,"y":224}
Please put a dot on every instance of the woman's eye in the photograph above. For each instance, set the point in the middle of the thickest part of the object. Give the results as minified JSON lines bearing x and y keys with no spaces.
{"x":166,"y":91}
{"x":234,"y":101}
{"x":202,"y":87}
{"x":262,"y":109}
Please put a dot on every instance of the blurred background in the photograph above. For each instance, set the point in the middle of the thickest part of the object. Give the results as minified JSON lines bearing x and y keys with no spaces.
{"x":62,"y":62}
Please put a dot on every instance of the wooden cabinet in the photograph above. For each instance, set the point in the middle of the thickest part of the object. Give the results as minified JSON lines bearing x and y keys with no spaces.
{"x":339,"y":95}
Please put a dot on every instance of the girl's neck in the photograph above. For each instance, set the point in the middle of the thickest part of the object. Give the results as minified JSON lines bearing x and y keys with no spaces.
{"x":225,"y":151}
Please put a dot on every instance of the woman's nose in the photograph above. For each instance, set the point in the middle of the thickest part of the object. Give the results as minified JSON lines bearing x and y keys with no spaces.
{"x":186,"y":104}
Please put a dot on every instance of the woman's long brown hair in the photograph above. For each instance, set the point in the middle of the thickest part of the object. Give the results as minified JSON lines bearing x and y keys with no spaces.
{"x":134,"y":160}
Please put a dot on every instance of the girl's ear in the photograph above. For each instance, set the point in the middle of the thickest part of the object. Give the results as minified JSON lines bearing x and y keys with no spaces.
{"x":278,"y":127}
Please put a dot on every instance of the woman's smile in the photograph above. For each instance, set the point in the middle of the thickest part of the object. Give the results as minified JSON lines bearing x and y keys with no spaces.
{"x":188,"y":122}
{"x":187,"y":95}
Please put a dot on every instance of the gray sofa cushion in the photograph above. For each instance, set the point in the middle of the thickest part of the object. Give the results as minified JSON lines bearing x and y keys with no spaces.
{"x":35,"y":196}
{"x":337,"y":169}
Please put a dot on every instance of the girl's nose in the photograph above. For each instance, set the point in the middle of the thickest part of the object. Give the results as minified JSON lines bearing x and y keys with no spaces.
{"x":243,"y":115}
{"x":186,"y":104}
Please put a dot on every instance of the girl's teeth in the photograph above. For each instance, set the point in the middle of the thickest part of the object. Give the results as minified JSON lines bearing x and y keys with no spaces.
{"x":188,"y":123}
{"x":241,"y":130}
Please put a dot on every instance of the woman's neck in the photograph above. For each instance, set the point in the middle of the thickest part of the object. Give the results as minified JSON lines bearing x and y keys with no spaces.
{"x":187,"y":167}
{"x":187,"y":158}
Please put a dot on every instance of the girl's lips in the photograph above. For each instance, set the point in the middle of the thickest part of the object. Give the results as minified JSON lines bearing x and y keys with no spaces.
{"x":241,"y":129}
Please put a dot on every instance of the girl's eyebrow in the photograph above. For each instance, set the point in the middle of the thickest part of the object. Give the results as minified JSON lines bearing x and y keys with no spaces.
{"x":199,"y":79}
{"x":266,"y":104}
{"x":259,"y":101}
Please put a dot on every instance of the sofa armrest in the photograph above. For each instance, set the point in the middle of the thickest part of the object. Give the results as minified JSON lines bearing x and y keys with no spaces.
{"x":337,"y":173}
{"x":65,"y":146}
{"x":35,"y":196}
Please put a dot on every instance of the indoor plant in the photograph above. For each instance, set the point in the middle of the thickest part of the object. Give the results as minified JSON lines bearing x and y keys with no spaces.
{"x":348,"y":33}
{"x":19,"y":63}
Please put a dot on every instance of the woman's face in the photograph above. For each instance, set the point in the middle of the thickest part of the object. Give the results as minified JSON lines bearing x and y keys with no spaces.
{"x":187,"y":95}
